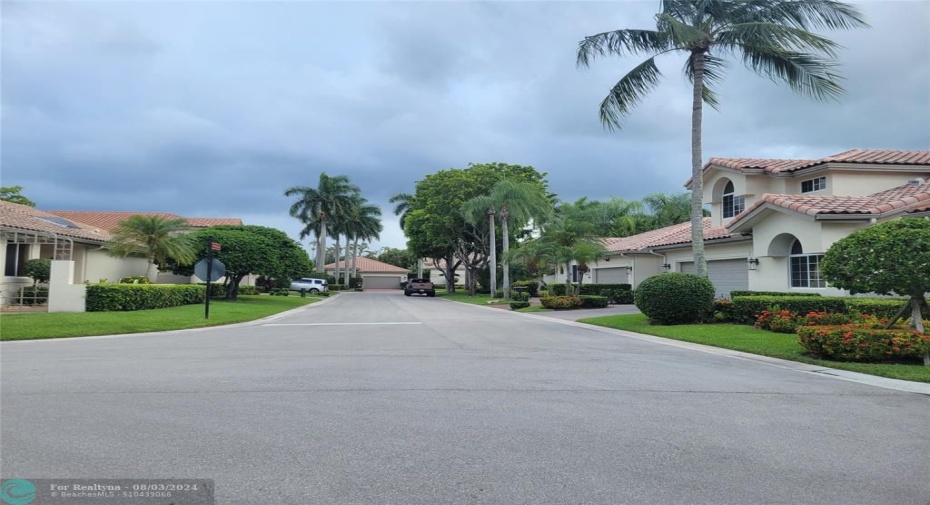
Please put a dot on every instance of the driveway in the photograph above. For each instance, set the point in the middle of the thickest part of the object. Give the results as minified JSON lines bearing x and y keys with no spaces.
{"x":376,"y":398}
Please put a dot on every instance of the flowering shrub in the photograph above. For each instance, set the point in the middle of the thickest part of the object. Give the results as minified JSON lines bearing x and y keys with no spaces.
{"x":778,"y":320}
{"x":854,"y":343}
{"x":561,"y":302}
{"x":135,"y":279}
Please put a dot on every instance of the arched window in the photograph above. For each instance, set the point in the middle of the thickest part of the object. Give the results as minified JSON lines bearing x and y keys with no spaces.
{"x":732,"y":204}
{"x":805,"y":268}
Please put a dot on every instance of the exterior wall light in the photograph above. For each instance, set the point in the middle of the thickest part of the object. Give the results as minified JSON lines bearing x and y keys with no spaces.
{"x":667,"y":267}
{"x":753,"y":263}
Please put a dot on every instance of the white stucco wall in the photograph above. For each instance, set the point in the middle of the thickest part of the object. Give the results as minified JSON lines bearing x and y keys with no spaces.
{"x":855,"y":183}
{"x":64,"y":295}
{"x":98,"y":265}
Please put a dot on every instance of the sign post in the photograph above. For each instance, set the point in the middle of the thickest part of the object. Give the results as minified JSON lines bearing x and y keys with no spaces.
{"x":209,"y":270}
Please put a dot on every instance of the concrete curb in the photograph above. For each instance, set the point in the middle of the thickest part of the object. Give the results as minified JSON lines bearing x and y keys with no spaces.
{"x":254,"y":322}
{"x":861,"y":378}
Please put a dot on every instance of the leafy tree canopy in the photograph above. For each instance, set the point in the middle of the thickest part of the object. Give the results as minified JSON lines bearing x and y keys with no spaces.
{"x":888,"y":258}
{"x":397,"y":257}
{"x":12,"y":194}
{"x":251,"y":249}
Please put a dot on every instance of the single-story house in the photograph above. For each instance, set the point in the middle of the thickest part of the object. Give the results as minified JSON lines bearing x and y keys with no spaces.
{"x":375,"y":274}
{"x":772,"y":220}
{"x":437,"y":271}
{"x":109,"y":220}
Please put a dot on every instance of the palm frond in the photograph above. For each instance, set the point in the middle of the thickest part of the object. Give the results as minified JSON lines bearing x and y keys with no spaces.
{"x":785,"y":37}
{"x":681,"y":34}
{"x":713,"y":74}
{"x":620,"y":42}
{"x":804,"y":73}
{"x":628,"y":92}
{"x":811,"y":14}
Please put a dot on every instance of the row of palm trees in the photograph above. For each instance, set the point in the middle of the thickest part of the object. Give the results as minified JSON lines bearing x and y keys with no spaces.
{"x":335,"y":208}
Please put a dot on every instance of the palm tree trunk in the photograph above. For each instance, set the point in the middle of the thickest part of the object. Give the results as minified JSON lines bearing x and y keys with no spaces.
{"x":568,"y":279}
{"x":697,"y":175}
{"x":355,"y":258}
{"x":321,"y":247}
{"x":493,"y":255}
{"x":151,"y":271}
{"x":347,"y":261}
{"x":505,"y":232}
{"x":337,"y":251}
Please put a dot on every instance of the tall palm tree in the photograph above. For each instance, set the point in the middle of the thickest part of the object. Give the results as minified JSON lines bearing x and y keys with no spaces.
{"x":516,"y":204}
{"x":772,"y":37}
{"x":318,"y":207}
{"x":571,"y":236}
{"x":158,"y":239}
{"x":403,"y":201}
{"x":363,"y":222}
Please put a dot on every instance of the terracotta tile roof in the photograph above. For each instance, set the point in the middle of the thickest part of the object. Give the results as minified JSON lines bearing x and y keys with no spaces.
{"x":107,"y":220}
{"x":870,"y":156}
{"x":670,"y":235}
{"x":369,"y":266}
{"x":905,"y":198}
{"x":23,"y":217}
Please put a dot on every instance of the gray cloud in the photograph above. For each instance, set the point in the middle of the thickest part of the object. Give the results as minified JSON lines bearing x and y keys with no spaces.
{"x":214,"y":108}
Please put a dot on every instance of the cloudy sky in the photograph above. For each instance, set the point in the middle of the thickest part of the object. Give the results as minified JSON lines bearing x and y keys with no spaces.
{"x":213,"y":108}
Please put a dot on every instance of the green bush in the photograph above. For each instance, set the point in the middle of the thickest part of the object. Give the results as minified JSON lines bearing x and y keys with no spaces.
{"x":593,"y":301}
{"x":337,"y":287}
{"x":615,"y":293}
{"x":517,"y":296}
{"x":557,"y":289}
{"x":39,"y":269}
{"x":355,"y":282}
{"x":852,"y":343}
{"x":675,"y":298}
{"x":744,"y":309}
{"x":124,"y":297}
{"x":519,"y":305}
{"x":249,"y":290}
{"x":736,"y":293}
{"x":561,"y":302}
{"x":882,"y":308}
{"x":135,"y":279}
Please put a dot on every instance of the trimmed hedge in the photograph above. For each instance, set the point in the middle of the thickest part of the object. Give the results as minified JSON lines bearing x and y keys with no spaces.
{"x":123,"y":297}
{"x":519,"y":305}
{"x":593,"y":301}
{"x":615,"y":293}
{"x":744,"y":309}
{"x":675,"y":298}
{"x":851,"y":343}
{"x":561,"y":302}
{"x":768,"y":293}
{"x":519,"y":297}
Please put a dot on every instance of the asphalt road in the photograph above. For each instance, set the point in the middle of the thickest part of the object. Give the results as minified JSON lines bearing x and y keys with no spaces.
{"x":383,"y":399}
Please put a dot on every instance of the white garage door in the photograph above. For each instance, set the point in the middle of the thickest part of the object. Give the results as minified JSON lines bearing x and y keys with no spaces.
{"x":726,"y":275}
{"x":370,"y":282}
{"x":611,"y":276}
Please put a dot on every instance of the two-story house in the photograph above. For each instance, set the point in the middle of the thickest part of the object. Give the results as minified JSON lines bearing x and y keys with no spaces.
{"x":772,"y":220}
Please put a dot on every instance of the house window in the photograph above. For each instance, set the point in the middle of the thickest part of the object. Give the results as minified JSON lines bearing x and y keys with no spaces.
{"x":16,"y":256}
{"x":732,"y":204}
{"x":818,"y":184}
{"x":574,"y":273}
{"x":805,"y":268}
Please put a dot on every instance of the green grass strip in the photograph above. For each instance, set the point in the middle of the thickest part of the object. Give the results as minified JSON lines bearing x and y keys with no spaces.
{"x":748,"y":339}
{"x":32,"y":326}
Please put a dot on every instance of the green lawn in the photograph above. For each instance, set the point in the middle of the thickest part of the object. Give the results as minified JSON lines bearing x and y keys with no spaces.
{"x":462,"y":296}
{"x":749,"y":339}
{"x":62,"y":325}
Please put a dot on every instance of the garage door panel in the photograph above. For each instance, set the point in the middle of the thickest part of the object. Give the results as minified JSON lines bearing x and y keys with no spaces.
{"x":726,"y":275}
{"x":380,"y":282}
{"x":611,"y":276}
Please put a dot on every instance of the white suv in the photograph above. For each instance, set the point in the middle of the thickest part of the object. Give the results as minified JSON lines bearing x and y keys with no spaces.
{"x":311,"y":285}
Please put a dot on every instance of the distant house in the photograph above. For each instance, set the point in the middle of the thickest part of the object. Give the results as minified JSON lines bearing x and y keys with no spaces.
{"x":375,"y":274}
{"x":109,"y":220}
{"x":772,"y":220}
{"x":28,"y":233}
{"x":437,"y":271}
